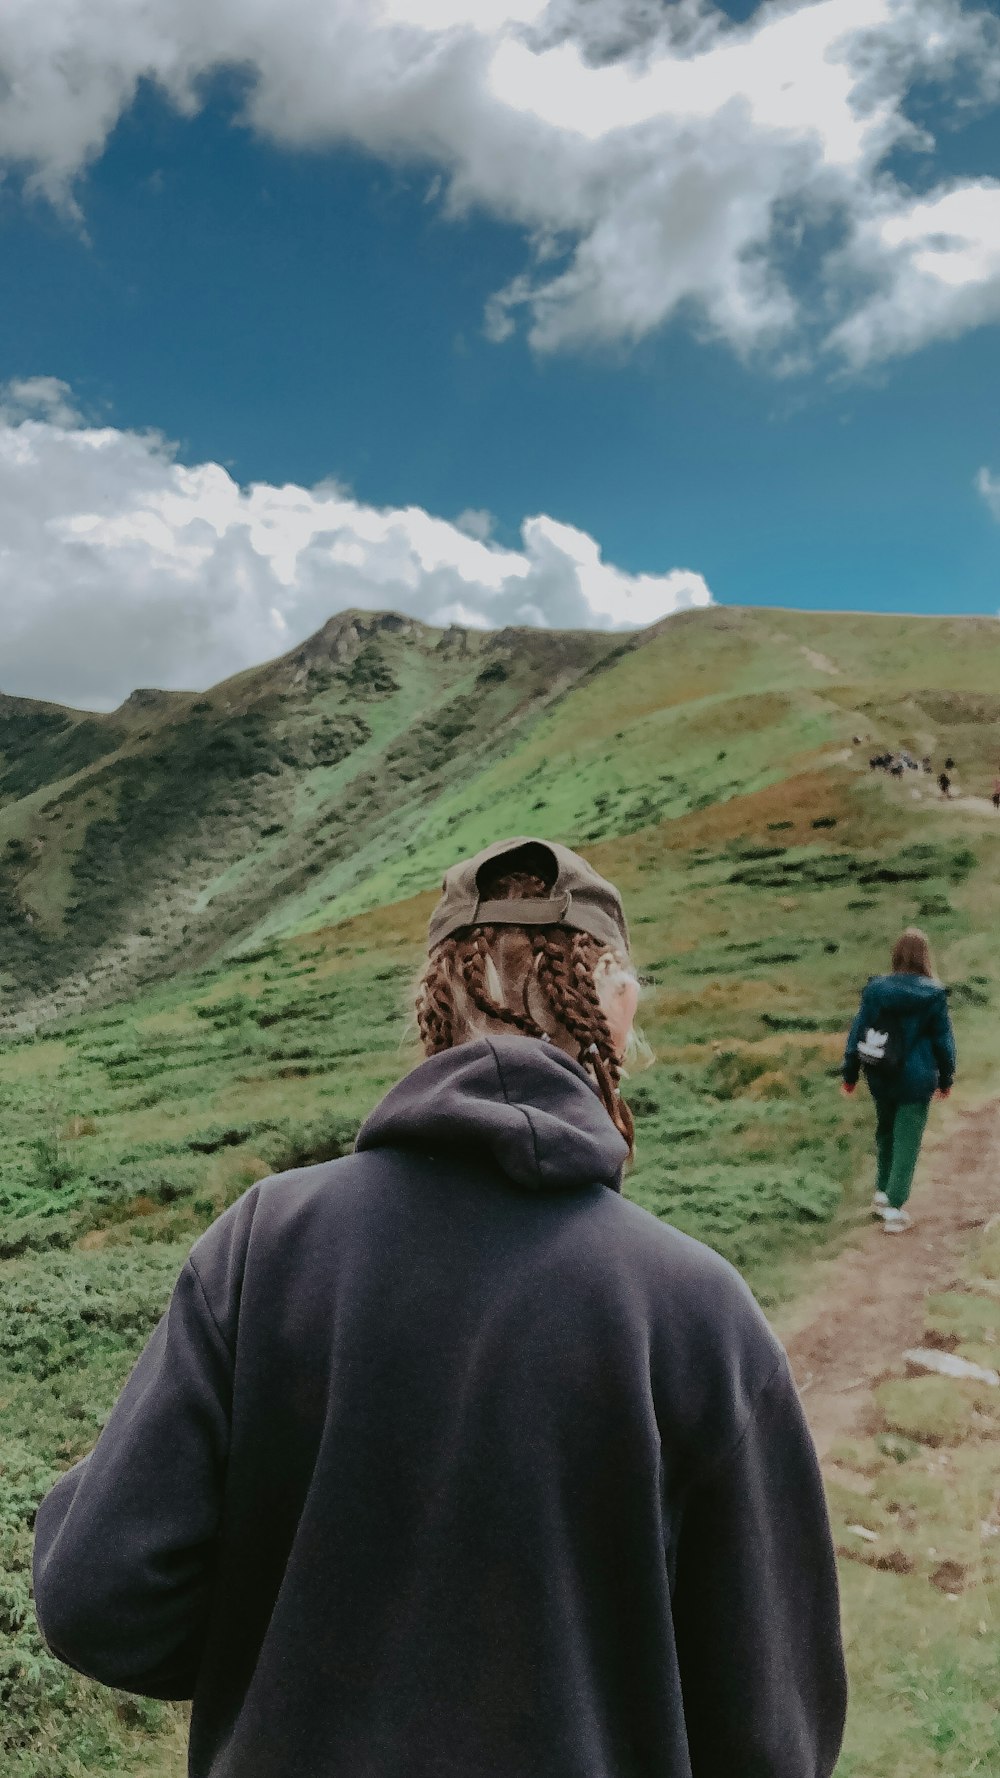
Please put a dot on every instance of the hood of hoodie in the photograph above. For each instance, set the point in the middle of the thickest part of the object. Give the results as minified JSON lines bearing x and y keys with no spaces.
{"x":905,"y":993}
{"x":526,"y":1104}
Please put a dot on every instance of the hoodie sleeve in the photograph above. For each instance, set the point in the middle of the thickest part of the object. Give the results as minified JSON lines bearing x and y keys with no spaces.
{"x":943,"y":1042}
{"x":124,"y":1542}
{"x":756,"y":1605}
{"x":852,"y":1062}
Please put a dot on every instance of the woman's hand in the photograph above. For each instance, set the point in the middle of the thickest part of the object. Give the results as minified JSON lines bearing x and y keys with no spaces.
{"x":943,"y":1093}
{"x":847,"y":1087}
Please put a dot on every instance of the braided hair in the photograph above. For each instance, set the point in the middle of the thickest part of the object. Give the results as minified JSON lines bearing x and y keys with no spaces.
{"x":557,"y":968}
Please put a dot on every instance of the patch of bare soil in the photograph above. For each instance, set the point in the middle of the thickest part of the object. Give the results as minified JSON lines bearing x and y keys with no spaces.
{"x":868,"y":1306}
{"x":821,"y":662}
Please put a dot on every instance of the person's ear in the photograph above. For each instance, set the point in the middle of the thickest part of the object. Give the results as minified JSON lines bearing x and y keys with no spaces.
{"x":618,"y":993}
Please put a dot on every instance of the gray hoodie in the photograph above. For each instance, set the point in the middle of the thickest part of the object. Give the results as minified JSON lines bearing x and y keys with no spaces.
{"x":448,"y":1461}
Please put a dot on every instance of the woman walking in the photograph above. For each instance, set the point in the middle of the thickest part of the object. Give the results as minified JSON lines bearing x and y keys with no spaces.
{"x":903,"y":1041}
{"x":447,"y":1459}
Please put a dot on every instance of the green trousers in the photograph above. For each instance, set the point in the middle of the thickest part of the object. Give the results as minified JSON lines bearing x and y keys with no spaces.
{"x":899,"y":1130}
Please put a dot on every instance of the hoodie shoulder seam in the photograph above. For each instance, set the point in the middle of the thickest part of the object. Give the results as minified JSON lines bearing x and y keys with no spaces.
{"x":720,"y":1463}
{"x":521,"y":1108}
{"x":203,"y":1293}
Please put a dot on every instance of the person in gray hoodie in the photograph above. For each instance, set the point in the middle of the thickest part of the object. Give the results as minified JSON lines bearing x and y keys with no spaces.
{"x":448,"y":1461}
{"x":902,"y":1038}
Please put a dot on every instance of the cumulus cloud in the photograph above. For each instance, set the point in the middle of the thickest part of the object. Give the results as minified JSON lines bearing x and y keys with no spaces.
{"x":662,"y":160}
{"x":120,"y":566}
{"x":47,"y":398}
{"x":938,"y":262}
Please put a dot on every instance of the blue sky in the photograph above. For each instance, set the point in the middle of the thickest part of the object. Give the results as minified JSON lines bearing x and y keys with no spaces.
{"x":300,"y":311}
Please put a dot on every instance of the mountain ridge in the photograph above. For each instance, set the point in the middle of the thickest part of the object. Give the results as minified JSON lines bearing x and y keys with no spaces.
{"x":347,"y":771}
{"x":119,"y":830}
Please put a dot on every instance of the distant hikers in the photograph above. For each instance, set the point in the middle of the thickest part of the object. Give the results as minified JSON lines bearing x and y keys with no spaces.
{"x":996,"y":793}
{"x":447,"y":1457}
{"x":896,"y":763}
{"x":902,"y":1041}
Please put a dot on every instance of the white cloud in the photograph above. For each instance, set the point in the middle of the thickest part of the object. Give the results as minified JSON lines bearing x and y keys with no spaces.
{"x":988,"y":486}
{"x":938,"y":260}
{"x":46,"y":398}
{"x":661,"y":159}
{"x":120,"y":566}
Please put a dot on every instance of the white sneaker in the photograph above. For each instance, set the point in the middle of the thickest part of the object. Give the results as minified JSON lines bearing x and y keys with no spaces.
{"x":895,"y":1221}
{"x":880,"y":1204}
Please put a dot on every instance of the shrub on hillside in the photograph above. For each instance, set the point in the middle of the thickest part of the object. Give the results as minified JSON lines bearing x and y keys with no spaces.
{"x":370,"y":673}
{"x":810,"y":868}
{"x":731,"y":1071}
{"x":224,"y":1014}
{"x":743,"y":1210}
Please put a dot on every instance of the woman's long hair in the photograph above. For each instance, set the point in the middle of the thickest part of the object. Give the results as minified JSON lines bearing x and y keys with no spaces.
{"x":540,"y":980}
{"x":911,"y":954}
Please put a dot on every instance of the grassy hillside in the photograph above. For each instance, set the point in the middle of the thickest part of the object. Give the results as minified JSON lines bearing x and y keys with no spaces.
{"x":708,"y":766}
{"x":134,"y":842}
{"x":706,"y":707}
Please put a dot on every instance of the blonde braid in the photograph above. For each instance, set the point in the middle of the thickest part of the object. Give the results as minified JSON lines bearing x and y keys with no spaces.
{"x":472,"y":962}
{"x":565,"y":969}
{"x":564,"y":965}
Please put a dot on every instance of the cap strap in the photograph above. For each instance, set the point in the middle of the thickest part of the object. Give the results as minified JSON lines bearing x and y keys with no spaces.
{"x":522,"y":913}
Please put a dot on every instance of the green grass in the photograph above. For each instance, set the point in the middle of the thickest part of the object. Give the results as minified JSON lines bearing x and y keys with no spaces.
{"x":70,"y":1325}
{"x":708,"y":769}
{"x":136,"y":843}
{"x":922,"y":1603}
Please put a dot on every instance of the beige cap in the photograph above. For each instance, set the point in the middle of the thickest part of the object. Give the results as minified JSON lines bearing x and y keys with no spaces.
{"x":579,"y":898}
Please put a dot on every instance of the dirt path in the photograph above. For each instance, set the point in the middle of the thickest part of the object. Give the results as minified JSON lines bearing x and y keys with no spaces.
{"x":868,"y":1303}
{"x":979,"y":805}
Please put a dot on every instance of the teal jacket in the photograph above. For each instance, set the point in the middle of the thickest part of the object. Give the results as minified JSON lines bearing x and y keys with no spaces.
{"x":919,"y":1007}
